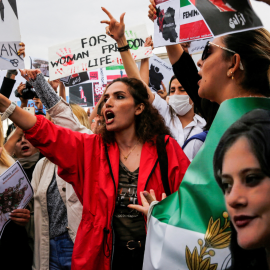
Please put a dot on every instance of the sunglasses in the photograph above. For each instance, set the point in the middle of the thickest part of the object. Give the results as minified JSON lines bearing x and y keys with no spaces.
{"x":206,"y":52}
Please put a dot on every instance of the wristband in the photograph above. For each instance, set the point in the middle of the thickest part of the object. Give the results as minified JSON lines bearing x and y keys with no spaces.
{"x":9,"y":111}
{"x":123,"y":49}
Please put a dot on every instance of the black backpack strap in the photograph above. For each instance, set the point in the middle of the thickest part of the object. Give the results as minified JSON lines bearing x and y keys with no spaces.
{"x":163,"y":162}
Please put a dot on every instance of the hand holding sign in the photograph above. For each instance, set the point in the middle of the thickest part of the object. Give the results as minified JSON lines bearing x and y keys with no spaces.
{"x":115,"y":29}
{"x":30,"y":74}
{"x":152,"y":12}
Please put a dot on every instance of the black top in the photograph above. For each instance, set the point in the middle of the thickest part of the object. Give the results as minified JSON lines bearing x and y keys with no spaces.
{"x":57,"y":210}
{"x":128,"y":223}
{"x":186,"y":73}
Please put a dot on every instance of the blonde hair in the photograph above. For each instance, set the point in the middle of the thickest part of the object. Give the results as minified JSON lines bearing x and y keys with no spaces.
{"x":5,"y":158}
{"x":81,"y":115}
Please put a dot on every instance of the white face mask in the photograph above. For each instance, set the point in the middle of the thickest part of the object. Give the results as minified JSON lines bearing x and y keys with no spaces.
{"x":180,"y":104}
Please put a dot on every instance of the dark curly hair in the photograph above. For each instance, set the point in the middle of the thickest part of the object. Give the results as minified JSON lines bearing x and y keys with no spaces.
{"x":149,"y":123}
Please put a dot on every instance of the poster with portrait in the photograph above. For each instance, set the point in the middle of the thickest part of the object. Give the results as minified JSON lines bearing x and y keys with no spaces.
{"x":82,"y":95}
{"x":40,"y":63}
{"x":15,"y":192}
{"x":181,"y":21}
{"x":10,"y":36}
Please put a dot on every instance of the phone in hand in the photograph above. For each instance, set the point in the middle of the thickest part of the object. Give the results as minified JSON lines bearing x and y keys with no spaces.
{"x":30,"y":109}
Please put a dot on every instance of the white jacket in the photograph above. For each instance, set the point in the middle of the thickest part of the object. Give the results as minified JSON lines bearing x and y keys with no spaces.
{"x":62,"y":115}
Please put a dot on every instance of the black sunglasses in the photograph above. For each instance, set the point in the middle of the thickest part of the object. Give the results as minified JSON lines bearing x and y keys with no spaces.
{"x":206,"y":53}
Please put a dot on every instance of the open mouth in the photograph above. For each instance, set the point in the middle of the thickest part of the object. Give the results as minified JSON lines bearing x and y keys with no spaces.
{"x":25,"y":148}
{"x":109,"y":117}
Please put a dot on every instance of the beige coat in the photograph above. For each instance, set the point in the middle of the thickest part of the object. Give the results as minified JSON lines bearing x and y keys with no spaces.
{"x":42,"y":178}
{"x":62,"y":115}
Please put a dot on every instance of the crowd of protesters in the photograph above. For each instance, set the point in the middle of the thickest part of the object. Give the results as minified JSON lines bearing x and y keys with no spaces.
{"x":94,"y":175}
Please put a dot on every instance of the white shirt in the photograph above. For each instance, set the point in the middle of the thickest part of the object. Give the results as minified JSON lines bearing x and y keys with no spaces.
{"x":179,"y":133}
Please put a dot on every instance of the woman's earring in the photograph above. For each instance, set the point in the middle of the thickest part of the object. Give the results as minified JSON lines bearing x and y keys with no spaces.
{"x":232,"y":76}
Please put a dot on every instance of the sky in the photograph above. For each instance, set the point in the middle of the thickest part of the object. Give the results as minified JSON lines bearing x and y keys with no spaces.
{"x":51,"y":22}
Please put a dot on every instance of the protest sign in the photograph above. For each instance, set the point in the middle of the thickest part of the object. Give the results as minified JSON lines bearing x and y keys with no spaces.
{"x":82,"y":95}
{"x":198,"y":46}
{"x":159,"y":71}
{"x":15,"y":192}
{"x":188,"y":20}
{"x":76,"y":79}
{"x":9,"y":36}
{"x":39,"y":63}
{"x":93,"y":52}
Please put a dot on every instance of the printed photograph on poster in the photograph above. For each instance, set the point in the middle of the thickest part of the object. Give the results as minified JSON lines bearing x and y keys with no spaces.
{"x":167,"y":24}
{"x":159,"y":71}
{"x":82,"y":95}
{"x":10,"y":36}
{"x":77,"y":78}
{"x":195,"y":20}
{"x":15,"y":192}
{"x":42,"y":64}
{"x":232,"y":15}
{"x":98,"y":91}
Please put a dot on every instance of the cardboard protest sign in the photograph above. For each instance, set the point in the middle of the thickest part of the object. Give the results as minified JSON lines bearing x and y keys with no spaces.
{"x":9,"y":36}
{"x":93,"y":52}
{"x":188,"y":20}
{"x":159,"y":71}
{"x":40,"y":63}
{"x":15,"y":192}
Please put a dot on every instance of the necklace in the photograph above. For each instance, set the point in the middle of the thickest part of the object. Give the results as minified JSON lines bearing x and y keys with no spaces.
{"x":126,"y":157}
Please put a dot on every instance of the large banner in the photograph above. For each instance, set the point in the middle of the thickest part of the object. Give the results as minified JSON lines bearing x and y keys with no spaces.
{"x":94,"y":52}
{"x":9,"y":36}
{"x":188,"y":20}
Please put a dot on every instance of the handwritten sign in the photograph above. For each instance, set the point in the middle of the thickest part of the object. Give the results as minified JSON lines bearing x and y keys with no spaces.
{"x":9,"y":36}
{"x":15,"y":192}
{"x":159,"y":71}
{"x":196,"y":20}
{"x":93,"y":52}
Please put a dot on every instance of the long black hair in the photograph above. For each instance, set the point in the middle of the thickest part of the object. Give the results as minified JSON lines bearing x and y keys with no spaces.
{"x":255,"y":126}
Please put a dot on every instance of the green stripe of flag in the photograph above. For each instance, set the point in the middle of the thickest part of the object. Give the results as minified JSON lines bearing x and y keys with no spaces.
{"x":199,"y":197}
{"x":115,"y":67}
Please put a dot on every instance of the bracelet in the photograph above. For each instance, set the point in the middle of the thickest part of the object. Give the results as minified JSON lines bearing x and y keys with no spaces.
{"x":9,"y":111}
{"x":123,"y":49}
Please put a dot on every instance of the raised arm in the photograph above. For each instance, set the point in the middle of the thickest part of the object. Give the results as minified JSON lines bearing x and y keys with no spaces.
{"x":116,"y":30}
{"x":58,"y":109}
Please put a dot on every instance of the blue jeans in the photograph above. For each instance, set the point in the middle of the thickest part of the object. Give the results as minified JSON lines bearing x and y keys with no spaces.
{"x":61,"y":248}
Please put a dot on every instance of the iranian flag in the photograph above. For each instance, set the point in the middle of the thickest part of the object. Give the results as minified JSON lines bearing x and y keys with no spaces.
{"x":190,"y":230}
{"x":115,"y":72}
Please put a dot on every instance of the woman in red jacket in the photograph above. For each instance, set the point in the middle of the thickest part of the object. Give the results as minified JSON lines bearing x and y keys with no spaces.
{"x":108,"y":171}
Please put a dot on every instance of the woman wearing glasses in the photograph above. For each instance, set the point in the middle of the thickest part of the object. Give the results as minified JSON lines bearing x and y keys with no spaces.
{"x":235,"y":65}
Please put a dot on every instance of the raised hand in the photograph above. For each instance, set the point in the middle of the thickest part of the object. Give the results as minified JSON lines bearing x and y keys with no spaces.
{"x":54,"y":84}
{"x":30,"y":74}
{"x":21,"y":51}
{"x":114,"y":29}
{"x":149,"y":43}
{"x":162,"y":93}
{"x":152,"y":12}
